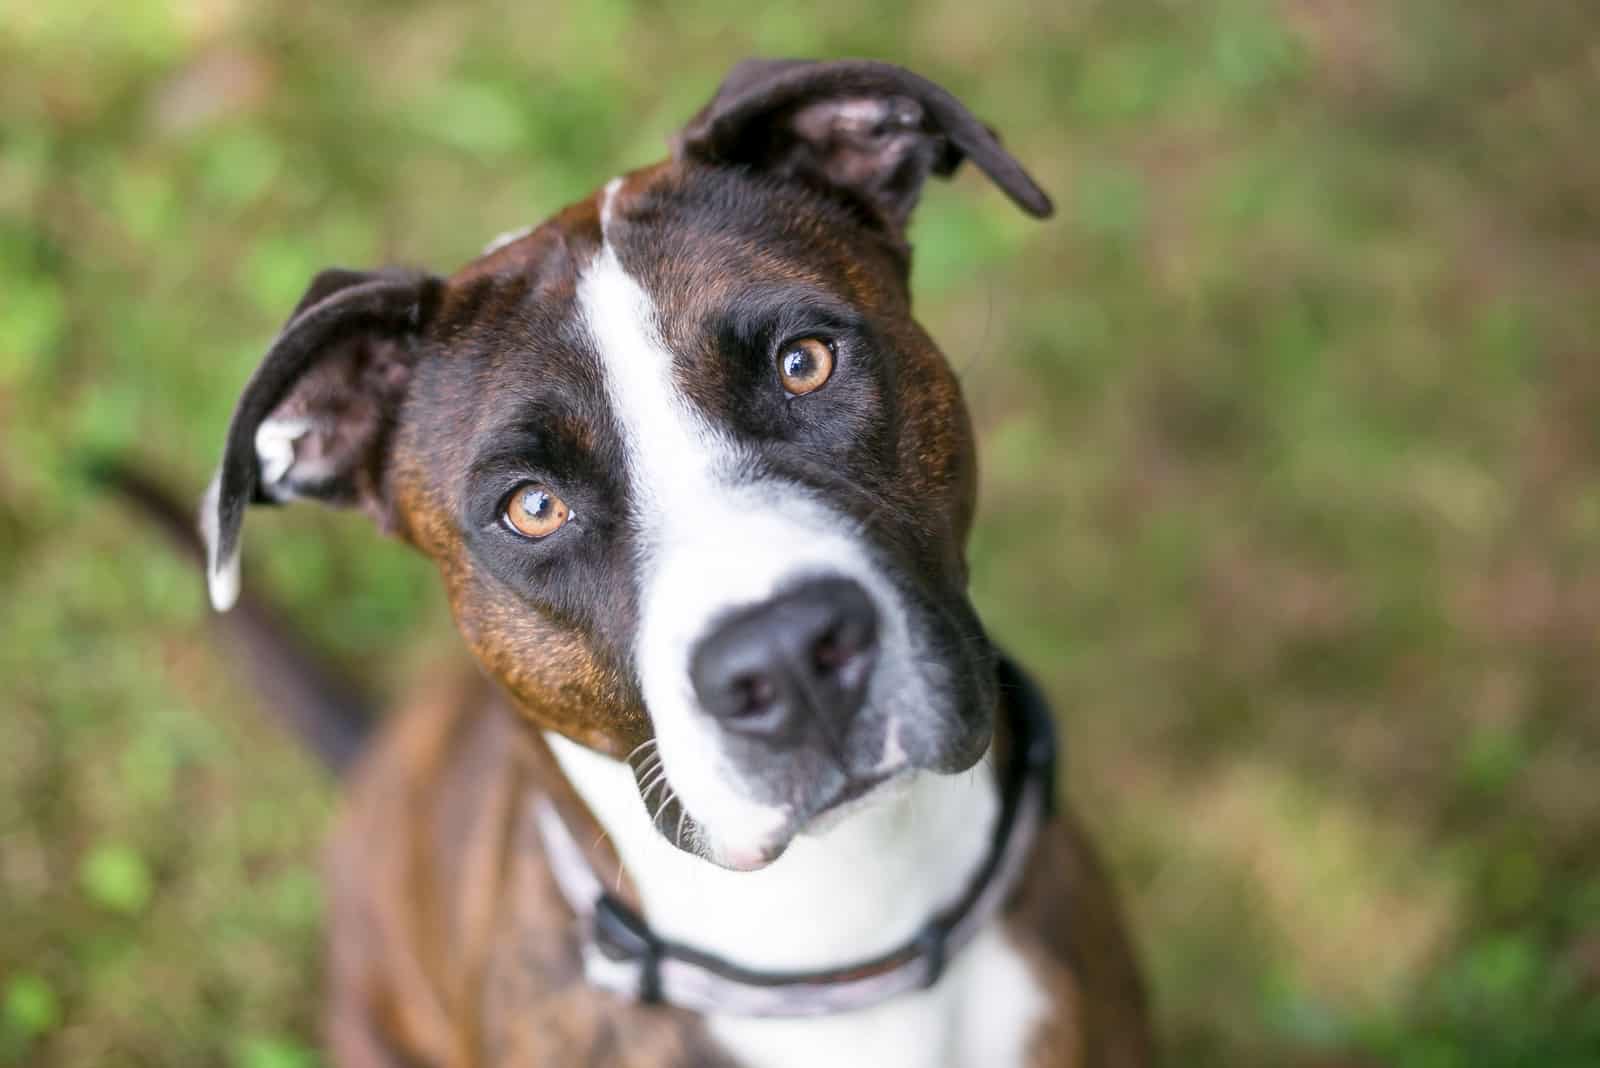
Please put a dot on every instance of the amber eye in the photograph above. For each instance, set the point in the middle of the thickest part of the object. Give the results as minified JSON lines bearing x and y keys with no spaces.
{"x":805,"y":365}
{"x":534,"y":512}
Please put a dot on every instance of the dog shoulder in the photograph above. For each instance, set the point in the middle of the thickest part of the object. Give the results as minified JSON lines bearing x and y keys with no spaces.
{"x":1067,"y":923}
{"x":452,"y":945}
{"x":411,"y":877}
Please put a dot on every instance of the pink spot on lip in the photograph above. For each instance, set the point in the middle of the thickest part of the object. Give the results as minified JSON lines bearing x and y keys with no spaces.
{"x":745,"y":859}
{"x":751,"y":859}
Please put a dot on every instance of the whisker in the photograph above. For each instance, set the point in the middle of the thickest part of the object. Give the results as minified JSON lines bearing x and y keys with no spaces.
{"x":647,"y":773}
{"x":669,"y":799}
{"x":656,"y":778}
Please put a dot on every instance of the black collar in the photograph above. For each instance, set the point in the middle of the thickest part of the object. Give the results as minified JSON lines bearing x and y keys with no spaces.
{"x":622,"y":954}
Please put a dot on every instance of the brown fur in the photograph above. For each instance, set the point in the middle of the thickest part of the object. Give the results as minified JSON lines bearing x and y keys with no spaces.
{"x":551,"y":674}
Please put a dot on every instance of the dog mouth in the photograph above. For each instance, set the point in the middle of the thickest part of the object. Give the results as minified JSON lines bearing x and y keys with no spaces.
{"x":849,"y":797}
{"x":809,"y":792}
{"x":815,"y":819}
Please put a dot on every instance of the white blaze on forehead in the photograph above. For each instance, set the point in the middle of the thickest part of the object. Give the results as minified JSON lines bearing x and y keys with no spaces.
{"x":671,"y":455}
{"x":710,"y":541}
{"x":670,"y":449}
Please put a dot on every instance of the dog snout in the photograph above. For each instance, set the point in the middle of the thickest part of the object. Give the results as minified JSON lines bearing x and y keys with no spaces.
{"x":791,"y":667}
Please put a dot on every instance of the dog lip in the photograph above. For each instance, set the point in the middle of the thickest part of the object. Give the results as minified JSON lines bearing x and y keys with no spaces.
{"x":752,"y":859}
{"x":747,"y":859}
{"x":824,"y":815}
{"x":853,"y":789}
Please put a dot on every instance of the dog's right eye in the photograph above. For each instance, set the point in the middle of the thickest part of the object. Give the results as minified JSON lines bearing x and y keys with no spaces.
{"x":805,"y":365}
{"x":532,"y":511}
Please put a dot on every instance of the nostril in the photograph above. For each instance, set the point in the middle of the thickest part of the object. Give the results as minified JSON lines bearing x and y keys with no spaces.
{"x":752,"y":695}
{"x":835,"y":648}
{"x":829,"y":654}
{"x":843,"y":643}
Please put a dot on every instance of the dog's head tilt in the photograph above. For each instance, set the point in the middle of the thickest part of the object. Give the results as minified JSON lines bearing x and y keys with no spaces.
{"x":698,"y":485}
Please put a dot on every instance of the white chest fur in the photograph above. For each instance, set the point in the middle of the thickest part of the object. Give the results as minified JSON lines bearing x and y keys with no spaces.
{"x":980,"y":1015}
{"x":860,"y":888}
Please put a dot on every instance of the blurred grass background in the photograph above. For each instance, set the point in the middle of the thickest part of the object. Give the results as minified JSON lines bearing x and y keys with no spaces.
{"x":1290,"y":446}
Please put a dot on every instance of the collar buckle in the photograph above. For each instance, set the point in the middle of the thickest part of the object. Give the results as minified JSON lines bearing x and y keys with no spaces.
{"x":933,"y":945}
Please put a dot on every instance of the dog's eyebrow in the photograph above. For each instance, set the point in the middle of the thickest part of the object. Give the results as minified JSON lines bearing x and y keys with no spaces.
{"x":534,"y":437}
{"x":774,"y":313}
{"x":507,"y":454}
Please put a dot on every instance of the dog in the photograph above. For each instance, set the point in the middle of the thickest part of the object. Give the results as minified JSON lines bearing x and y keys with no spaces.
{"x":737,"y":777}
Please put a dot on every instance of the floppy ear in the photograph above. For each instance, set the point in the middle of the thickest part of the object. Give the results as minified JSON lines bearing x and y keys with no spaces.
{"x":871,"y":131}
{"x":315,"y":418}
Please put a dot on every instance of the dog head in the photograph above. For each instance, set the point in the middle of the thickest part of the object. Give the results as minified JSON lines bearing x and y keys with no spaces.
{"x":698,"y":485}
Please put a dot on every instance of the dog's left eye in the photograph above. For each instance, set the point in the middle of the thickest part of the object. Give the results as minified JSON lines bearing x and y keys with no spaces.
{"x":805,"y":365}
{"x":533,"y":511}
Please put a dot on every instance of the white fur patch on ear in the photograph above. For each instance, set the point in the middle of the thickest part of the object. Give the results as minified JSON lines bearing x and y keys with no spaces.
{"x":222,"y":576}
{"x":275,"y":440}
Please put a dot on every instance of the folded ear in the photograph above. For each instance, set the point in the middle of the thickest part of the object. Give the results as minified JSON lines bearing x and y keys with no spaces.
{"x":315,"y":418}
{"x":869,"y":130}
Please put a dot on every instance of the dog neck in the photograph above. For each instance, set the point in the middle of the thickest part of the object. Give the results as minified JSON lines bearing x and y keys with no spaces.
{"x":857,"y":887}
{"x":862,"y":884}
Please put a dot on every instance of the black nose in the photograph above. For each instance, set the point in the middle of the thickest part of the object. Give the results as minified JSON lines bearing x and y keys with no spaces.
{"x":792,"y":664}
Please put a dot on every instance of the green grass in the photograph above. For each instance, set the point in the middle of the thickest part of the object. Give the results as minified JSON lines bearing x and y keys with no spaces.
{"x":1292,"y":474}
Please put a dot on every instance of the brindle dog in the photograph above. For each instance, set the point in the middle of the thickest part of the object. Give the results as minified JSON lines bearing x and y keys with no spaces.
{"x":699,"y":488}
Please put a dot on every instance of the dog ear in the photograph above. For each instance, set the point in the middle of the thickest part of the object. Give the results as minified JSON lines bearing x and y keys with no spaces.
{"x":315,"y":418}
{"x":872,"y":131}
